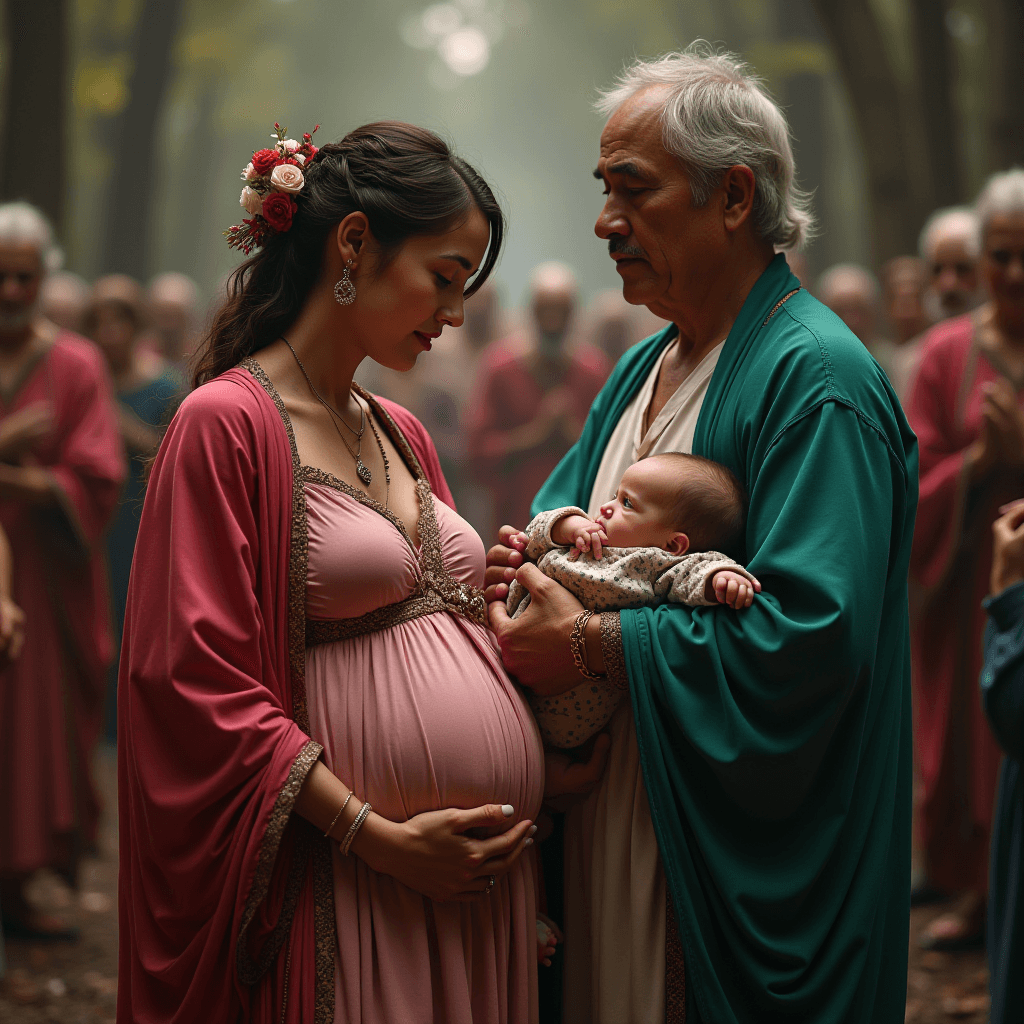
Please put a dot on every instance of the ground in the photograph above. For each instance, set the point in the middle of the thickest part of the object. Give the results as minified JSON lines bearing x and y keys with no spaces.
{"x":77,"y":983}
{"x":72,"y":983}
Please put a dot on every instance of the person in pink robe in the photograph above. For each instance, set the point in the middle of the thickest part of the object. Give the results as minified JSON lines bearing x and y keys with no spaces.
{"x":326,"y":779}
{"x":966,"y":410}
{"x":531,"y":399}
{"x":61,"y":469}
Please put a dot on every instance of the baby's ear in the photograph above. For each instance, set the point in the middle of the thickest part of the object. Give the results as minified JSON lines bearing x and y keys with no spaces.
{"x":678,"y":544}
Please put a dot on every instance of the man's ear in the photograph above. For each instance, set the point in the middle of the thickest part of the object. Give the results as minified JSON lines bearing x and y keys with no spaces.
{"x":678,"y":544}
{"x":739,"y":186}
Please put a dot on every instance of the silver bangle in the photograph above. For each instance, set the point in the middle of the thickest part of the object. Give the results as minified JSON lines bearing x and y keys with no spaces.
{"x":350,"y":835}
{"x":341,"y":811}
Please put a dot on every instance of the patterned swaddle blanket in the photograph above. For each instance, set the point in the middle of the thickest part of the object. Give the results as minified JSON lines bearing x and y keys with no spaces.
{"x":620,"y":578}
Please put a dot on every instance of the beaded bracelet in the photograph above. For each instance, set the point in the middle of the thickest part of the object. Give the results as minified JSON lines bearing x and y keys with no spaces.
{"x":350,"y":835}
{"x":578,"y":647}
{"x":341,"y":811}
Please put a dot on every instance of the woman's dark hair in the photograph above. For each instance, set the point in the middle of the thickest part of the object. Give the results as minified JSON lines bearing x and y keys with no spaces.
{"x":405,"y":179}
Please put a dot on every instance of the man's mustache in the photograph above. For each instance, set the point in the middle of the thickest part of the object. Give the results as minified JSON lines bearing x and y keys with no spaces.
{"x":618,"y":245}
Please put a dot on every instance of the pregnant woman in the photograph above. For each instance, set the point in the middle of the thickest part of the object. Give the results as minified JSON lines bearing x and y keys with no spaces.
{"x":326,"y":778}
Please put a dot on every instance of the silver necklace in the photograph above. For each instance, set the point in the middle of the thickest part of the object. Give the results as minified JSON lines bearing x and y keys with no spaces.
{"x":362,"y":470}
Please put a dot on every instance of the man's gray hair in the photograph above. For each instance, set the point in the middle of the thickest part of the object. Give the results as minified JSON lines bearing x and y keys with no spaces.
{"x":958,"y":222}
{"x":719,"y":114}
{"x":22,"y":222}
{"x":1002,"y":195}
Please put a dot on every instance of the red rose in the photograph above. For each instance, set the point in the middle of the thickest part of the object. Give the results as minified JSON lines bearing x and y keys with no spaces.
{"x":278,"y":210}
{"x":265,"y":160}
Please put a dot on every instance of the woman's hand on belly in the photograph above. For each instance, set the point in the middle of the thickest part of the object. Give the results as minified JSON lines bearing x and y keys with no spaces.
{"x":432,"y":854}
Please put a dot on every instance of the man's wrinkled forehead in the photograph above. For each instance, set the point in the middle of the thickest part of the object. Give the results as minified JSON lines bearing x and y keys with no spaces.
{"x":633,"y":134}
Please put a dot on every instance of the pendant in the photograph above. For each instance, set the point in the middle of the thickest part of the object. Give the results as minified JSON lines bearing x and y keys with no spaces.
{"x":363,"y":473}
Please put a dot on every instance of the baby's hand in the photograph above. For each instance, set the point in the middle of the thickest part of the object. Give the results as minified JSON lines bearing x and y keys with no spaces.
{"x":734,"y":590}
{"x":581,"y":533}
{"x":519,"y":541}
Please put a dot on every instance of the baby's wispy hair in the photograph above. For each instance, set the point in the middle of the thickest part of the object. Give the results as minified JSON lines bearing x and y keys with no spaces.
{"x":710,"y":505}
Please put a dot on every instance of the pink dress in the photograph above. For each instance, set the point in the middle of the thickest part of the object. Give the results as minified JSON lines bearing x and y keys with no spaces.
{"x":417,"y":715}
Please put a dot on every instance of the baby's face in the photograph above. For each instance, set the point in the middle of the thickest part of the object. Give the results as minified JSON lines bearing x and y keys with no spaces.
{"x":640,"y":514}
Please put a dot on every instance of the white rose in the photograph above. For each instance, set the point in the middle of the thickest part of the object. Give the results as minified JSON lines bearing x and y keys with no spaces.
{"x":250,"y":201}
{"x":250,"y":172}
{"x":287,"y":178}
{"x":290,"y":145}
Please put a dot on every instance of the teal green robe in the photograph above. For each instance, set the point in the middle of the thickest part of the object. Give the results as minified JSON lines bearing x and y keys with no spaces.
{"x":776,"y":742}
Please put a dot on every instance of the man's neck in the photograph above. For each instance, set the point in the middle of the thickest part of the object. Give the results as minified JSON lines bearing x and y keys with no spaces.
{"x":705,"y":316}
{"x":703,"y":322}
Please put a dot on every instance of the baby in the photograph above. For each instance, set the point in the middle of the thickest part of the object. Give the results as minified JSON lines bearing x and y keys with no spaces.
{"x":659,"y":539}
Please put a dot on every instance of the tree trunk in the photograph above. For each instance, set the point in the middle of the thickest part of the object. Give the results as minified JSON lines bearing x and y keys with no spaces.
{"x":880,"y":112}
{"x":33,"y":159}
{"x":1005,"y":41}
{"x":939,"y":115}
{"x":130,"y":203}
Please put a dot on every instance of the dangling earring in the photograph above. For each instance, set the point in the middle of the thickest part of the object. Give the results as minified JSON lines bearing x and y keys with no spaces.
{"x":345,"y":290}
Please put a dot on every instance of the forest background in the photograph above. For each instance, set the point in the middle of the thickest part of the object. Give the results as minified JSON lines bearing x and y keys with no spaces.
{"x":129,"y":121}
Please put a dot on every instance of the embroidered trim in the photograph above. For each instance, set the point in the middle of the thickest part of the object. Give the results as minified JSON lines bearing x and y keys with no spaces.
{"x":297,"y":567}
{"x":250,"y":971}
{"x":436,"y":589}
{"x":778,"y":305}
{"x":313,"y":475}
{"x":611,"y":649}
{"x":323,"y":887}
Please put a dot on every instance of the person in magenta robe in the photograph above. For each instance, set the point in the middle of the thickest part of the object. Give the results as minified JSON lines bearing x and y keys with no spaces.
{"x":965,"y":409}
{"x":326,"y":779}
{"x":61,"y":469}
{"x":531,"y":398}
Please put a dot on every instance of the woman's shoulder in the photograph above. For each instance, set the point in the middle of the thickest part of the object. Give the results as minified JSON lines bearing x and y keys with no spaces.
{"x":233,"y":403}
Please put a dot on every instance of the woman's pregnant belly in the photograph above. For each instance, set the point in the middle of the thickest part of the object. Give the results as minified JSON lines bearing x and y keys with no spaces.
{"x":422,"y":716}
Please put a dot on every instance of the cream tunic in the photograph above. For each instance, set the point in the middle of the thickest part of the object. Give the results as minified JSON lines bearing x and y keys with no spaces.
{"x":615,"y":887}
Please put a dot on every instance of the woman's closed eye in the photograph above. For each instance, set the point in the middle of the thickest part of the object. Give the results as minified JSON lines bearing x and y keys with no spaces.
{"x":442,"y":280}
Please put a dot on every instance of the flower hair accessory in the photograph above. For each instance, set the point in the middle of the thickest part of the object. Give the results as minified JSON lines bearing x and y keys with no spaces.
{"x":273,"y":178}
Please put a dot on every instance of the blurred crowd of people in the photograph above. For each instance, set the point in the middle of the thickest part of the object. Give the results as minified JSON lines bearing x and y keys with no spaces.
{"x":90,"y":375}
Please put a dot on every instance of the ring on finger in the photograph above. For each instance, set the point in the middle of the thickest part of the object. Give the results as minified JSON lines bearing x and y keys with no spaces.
{"x":490,"y":885}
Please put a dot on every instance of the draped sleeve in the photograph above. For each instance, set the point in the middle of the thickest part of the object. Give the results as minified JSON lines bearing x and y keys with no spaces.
{"x":211,"y":758}
{"x":933,"y":415}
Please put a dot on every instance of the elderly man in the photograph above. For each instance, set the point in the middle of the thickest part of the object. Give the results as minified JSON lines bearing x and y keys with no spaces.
{"x":852,"y":293}
{"x":531,"y":397}
{"x":950,"y":244}
{"x":61,"y":468}
{"x":760,"y":774}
